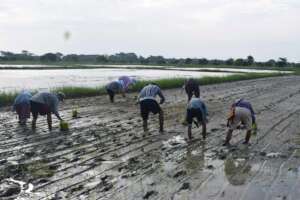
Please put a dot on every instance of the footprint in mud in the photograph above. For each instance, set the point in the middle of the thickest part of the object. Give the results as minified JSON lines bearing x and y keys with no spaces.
{"x":179,"y":173}
{"x":149,"y":194}
{"x":214,"y":129}
{"x":185,"y":186}
{"x":9,"y":190}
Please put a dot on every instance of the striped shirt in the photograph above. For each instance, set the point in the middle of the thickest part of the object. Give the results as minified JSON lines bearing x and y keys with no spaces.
{"x":150,"y":92}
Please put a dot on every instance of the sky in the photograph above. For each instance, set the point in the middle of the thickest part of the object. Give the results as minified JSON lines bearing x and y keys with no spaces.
{"x":265,"y":29}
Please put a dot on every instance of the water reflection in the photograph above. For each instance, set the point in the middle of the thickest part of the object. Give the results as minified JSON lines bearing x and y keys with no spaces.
{"x":195,"y":159}
{"x":237,"y":171}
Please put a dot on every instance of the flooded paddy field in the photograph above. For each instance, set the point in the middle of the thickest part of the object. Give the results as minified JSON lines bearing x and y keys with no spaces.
{"x":32,"y":79}
{"x":106,"y":155}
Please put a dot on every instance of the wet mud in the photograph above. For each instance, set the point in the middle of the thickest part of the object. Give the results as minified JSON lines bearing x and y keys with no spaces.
{"x":106,"y":155}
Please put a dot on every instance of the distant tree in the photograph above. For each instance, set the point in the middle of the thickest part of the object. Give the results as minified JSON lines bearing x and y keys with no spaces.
{"x":202,"y":61}
{"x":188,"y":61}
{"x":123,"y":58}
{"x":282,"y":62}
{"x":229,"y":61}
{"x":250,"y":60}
{"x":216,"y":62}
{"x":102,"y":59}
{"x":8,"y":56}
{"x":270,"y":63}
{"x":71,"y":58}
{"x":240,"y":62}
{"x":173,"y":61}
{"x":50,"y":57}
{"x":156,"y":60}
{"x":143,"y":60}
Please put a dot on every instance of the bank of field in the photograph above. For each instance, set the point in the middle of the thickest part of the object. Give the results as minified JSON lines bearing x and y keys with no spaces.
{"x":7,"y":98}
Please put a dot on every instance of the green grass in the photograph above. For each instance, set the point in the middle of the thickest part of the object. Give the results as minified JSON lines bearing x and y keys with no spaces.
{"x":77,"y":92}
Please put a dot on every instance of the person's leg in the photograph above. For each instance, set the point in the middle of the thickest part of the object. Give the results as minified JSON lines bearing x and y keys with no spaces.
{"x":34,"y":118}
{"x":248,"y":136}
{"x":190,"y":131}
{"x":197,"y":92}
{"x":144,"y":114}
{"x":161,"y":120}
{"x":111,"y":95}
{"x":190,"y":94}
{"x":247,"y":122}
{"x":189,"y":119}
{"x":228,"y":137}
{"x":49,"y":120}
{"x":203,"y":130}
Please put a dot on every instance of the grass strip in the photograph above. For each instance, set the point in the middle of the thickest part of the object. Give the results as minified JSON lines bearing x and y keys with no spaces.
{"x":7,"y":98}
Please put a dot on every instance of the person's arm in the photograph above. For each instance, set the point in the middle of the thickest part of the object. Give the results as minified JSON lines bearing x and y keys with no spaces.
{"x":252,"y":114}
{"x":57,"y":115}
{"x":55,"y":109}
{"x":162,"y":98}
{"x":205,"y":112}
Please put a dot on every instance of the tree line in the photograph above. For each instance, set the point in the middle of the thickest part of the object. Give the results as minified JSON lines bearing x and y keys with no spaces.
{"x":132,"y":58}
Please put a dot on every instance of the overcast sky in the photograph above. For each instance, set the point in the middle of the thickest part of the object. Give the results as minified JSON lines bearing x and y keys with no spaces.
{"x":172,"y":28}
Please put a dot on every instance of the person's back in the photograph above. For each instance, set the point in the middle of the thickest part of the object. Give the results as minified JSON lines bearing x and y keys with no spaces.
{"x":149,"y":104}
{"x":114,"y":86}
{"x":196,"y":108}
{"x":22,"y":106}
{"x":191,"y":87}
{"x":127,"y":81}
{"x":47,"y":98}
{"x":245,"y":104}
{"x":45,"y":103}
{"x":197,"y":103}
{"x":150,"y":92}
{"x":23,"y":98}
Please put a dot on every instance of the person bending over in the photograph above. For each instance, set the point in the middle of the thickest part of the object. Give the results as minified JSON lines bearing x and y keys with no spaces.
{"x":196,"y":109}
{"x":149,"y":104}
{"x":45,"y":103}
{"x":241,"y":113}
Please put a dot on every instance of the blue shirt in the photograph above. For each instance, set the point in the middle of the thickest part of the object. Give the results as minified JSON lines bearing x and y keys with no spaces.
{"x":115,"y":86}
{"x":196,"y":103}
{"x":23,"y":98}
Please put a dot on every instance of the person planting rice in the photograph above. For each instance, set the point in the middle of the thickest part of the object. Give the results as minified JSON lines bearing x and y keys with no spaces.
{"x":191,"y":87}
{"x":22,"y":106}
{"x":115,"y":87}
{"x":149,"y":104}
{"x":127,"y":82}
{"x":45,"y":103}
{"x":196,"y":109}
{"x":241,"y":113}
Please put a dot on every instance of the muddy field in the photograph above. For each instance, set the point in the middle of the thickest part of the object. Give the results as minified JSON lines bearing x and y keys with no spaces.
{"x":105,"y":155}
